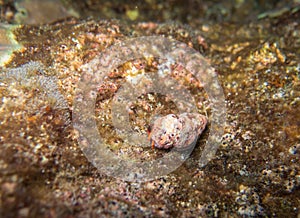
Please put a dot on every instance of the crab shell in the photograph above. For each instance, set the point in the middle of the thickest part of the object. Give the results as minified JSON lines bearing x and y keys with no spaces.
{"x":179,"y":131}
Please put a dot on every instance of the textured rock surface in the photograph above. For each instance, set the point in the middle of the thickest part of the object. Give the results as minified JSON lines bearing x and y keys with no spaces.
{"x":256,"y":171}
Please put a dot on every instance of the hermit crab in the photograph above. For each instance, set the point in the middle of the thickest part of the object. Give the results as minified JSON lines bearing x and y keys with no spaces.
{"x":178,"y":131}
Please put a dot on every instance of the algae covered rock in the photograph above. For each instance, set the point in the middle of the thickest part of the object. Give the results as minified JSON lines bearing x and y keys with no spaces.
{"x":256,"y":55}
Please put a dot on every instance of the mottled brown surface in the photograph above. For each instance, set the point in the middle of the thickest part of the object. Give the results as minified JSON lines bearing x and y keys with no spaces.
{"x":256,"y":171}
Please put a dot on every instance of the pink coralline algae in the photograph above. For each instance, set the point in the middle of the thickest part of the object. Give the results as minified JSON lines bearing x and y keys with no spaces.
{"x":179,"y":131}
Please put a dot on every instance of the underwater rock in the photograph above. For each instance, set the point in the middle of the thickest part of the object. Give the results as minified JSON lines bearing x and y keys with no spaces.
{"x":8,"y":44}
{"x":40,"y":12}
{"x":255,"y":172}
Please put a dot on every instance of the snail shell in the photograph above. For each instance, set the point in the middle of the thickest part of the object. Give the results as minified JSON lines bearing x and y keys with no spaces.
{"x":178,"y":131}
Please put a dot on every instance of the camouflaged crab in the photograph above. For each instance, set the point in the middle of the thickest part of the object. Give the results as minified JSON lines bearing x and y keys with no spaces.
{"x":179,"y":131}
